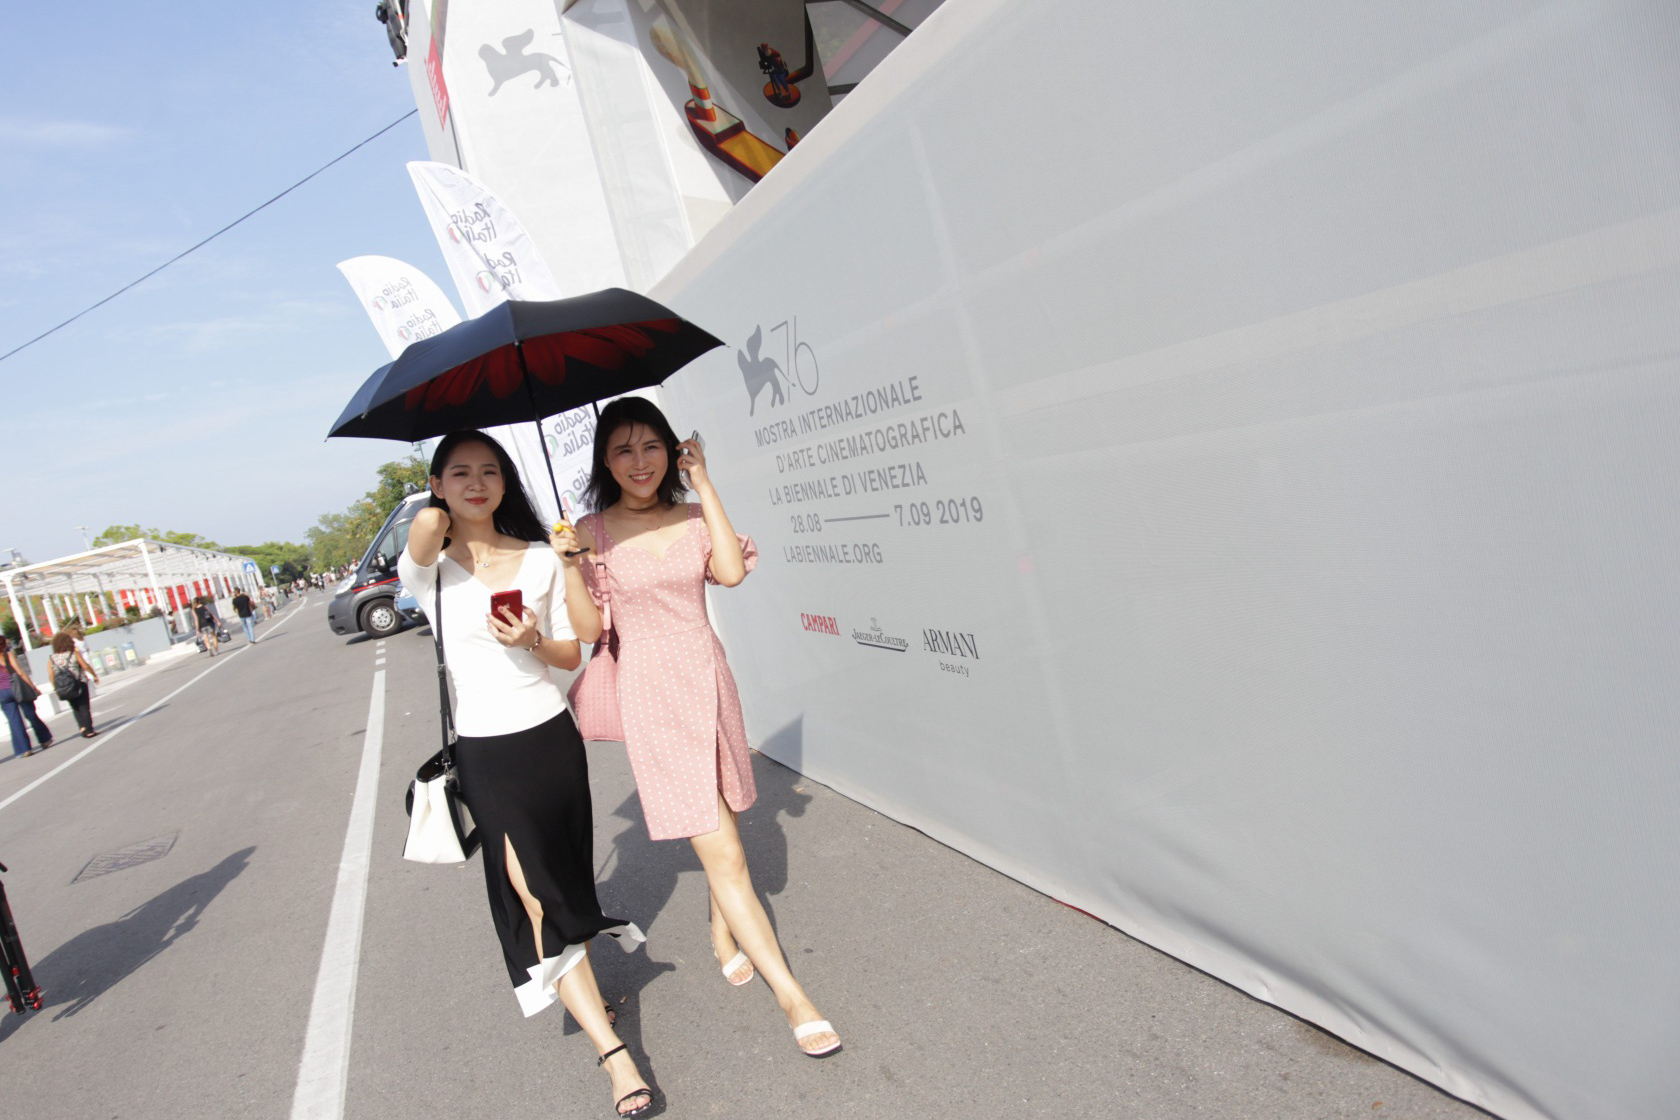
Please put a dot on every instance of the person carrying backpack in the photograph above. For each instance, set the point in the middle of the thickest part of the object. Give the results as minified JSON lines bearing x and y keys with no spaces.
{"x":70,"y":672}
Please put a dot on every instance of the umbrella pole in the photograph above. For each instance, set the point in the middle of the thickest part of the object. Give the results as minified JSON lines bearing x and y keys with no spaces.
{"x":536,"y":418}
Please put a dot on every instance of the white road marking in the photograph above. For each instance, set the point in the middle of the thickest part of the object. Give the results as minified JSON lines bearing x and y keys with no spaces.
{"x":325,"y":1068}
{"x":379,"y":661}
{"x":107,"y":736}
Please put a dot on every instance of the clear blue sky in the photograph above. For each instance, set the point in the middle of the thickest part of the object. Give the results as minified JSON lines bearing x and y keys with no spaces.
{"x":199,"y":400}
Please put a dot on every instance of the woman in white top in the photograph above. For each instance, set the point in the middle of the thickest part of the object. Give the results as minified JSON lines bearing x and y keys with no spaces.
{"x":520,"y":762}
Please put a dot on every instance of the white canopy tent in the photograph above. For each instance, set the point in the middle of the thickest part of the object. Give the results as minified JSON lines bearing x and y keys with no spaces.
{"x":103,"y":582}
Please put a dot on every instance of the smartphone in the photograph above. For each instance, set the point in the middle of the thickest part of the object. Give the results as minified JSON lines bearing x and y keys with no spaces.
{"x":513,"y":599}
{"x":694,"y":438}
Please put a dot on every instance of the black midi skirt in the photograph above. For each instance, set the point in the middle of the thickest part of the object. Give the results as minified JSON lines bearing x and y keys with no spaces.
{"x":530,"y":790}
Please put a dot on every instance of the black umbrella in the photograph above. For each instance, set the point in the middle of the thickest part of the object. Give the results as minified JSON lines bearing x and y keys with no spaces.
{"x":524,"y":360}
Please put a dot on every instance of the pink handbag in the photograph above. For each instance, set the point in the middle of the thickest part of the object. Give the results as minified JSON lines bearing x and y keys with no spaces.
{"x":594,"y":695}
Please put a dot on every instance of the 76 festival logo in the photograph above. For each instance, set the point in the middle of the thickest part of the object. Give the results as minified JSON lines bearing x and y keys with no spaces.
{"x":797,"y":369}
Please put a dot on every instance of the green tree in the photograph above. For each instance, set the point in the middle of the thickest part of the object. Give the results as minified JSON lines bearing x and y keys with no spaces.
{"x":397,"y":480}
{"x":116,"y":534}
{"x":338,"y":539}
{"x":294,"y":560}
{"x":341,"y":538}
{"x":188,"y":540}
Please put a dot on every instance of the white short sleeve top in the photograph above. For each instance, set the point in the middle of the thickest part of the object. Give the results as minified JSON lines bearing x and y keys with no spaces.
{"x":498,"y":690}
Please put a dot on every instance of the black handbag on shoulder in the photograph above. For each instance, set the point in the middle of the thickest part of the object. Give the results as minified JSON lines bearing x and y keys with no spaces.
{"x":22,"y":691}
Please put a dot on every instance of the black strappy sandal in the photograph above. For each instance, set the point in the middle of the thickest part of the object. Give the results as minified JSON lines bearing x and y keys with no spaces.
{"x":644,"y":1092}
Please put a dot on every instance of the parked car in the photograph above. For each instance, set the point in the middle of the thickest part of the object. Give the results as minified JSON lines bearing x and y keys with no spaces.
{"x":408,"y":606}
{"x":366,"y":600}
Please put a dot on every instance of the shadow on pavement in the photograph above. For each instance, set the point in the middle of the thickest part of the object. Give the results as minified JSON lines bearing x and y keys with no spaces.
{"x":73,"y":735}
{"x":645,"y":875}
{"x":90,"y":964}
{"x":779,"y":794}
{"x":644,"y":872}
{"x":362,"y":637}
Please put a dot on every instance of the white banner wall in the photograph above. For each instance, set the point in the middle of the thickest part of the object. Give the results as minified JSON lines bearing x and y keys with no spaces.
{"x":520,"y":131}
{"x":431,"y":90}
{"x":688,"y":103}
{"x":1215,"y":462}
{"x":659,"y":191}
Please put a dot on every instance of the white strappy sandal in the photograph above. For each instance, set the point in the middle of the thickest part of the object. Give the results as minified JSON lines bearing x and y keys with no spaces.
{"x":820,"y":1026}
{"x":733,"y":965}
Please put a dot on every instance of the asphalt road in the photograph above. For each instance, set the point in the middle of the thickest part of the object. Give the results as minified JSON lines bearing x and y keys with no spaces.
{"x":181,"y":985}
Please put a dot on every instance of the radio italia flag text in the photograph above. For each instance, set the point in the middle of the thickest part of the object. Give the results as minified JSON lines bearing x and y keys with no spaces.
{"x":403,"y":302}
{"x":489,"y":253}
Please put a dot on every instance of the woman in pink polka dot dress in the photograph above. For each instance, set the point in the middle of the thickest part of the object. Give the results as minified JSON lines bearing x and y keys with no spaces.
{"x":651,"y":554}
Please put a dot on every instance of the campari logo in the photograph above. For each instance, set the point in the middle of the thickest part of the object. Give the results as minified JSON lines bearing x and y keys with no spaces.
{"x":876,"y":638}
{"x":820,"y":624}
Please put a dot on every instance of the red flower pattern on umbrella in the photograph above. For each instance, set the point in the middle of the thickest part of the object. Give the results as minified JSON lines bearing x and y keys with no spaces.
{"x":547,"y":357}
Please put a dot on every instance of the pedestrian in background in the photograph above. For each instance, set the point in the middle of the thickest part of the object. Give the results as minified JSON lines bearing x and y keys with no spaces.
{"x":247,"y":612}
{"x":70,"y":673}
{"x":205,"y":617}
{"x":17,"y":697}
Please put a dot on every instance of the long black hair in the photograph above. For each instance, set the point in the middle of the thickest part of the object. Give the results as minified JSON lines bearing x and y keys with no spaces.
{"x":603,"y":489}
{"x":516,"y":517}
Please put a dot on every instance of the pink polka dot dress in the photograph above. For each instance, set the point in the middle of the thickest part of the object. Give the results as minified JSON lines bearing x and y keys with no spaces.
{"x":681,"y":711}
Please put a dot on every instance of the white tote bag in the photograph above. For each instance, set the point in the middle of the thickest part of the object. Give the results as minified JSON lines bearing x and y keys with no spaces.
{"x":437,"y":828}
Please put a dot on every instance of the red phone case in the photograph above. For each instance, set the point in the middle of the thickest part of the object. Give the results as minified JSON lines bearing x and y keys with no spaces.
{"x":514,"y":600}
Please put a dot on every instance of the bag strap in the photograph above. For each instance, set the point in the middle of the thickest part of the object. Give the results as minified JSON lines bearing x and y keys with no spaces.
{"x":598,"y":563}
{"x":446,"y":718}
